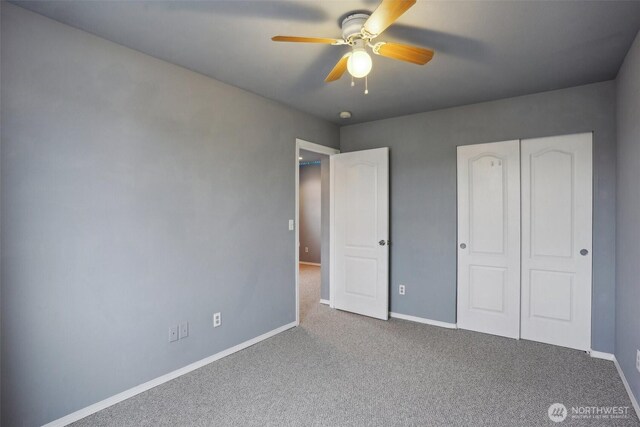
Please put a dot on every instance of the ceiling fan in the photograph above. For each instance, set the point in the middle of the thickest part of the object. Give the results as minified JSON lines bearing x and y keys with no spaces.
{"x":358,"y":31}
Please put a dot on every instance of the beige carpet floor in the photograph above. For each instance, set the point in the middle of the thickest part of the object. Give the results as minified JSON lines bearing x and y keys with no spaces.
{"x":309,"y":289}
{"x":341,"y":369}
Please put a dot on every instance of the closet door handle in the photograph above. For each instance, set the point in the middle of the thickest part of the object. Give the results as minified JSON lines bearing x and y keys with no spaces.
{"x":584,"y":252}
{"x":463,"y":245}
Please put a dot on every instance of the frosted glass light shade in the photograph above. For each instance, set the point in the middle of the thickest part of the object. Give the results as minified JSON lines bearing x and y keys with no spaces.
{"x":359,"y":63}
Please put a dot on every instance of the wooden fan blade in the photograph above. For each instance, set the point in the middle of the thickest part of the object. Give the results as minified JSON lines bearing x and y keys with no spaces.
{"x":403,"y":52}
{"x":386,"y":14}
{"x":306,"y":40}
{"x":338,"y":70}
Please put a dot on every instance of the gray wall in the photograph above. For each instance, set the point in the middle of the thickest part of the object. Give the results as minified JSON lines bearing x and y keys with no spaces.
{"x":423,"y":189}
{"x":310,"y":212}
{"x":628,"y":217}
{"x":136,"y":194}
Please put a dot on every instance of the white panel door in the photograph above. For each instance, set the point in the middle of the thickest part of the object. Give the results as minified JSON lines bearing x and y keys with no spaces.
{"x":489,"y":238}
{"x":556,"y":240}
{"x":360,"y":225}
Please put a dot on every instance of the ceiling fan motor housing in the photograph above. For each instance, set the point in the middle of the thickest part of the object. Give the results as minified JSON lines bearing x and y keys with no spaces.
{"x":352,"y":25}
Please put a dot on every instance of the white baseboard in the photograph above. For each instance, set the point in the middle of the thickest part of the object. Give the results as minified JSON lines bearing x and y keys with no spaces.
{"x":310,"y":263}
{"x":423,"y":320}
{"x":634,"y":402}
{"x":325,"y":302}
{"x":103,"y":404}
{"x":601,"y":355}
{"x":612,"y":358}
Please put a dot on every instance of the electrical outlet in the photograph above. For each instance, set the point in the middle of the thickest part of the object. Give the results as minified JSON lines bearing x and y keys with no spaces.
{"x":184,"y":330}
{"x":173,"y":334}
{"x":306,"y":249}
{"x":638,"y":360}
{"x":290,"y":225}
{"x":216,"y":320}
{"x":401,"y":289}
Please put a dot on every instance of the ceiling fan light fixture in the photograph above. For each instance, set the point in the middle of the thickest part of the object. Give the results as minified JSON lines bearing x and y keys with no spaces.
{"x":358,"y":31}
{"x":359,"y":63}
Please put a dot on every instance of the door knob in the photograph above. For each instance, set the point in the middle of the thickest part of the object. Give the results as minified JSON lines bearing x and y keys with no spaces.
{"x":463,"y":245}
{"x":382,"y":242}
{"x":584,"y":252}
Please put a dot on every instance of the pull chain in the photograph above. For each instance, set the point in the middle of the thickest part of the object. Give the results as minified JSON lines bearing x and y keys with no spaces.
{"x":366,"y":85}
{"x":352,"y":82}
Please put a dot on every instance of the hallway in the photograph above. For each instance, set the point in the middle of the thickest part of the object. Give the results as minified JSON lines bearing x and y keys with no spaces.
{"x":309,"y":290}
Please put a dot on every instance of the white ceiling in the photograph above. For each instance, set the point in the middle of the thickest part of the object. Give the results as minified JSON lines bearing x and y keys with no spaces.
{"x":485,"y":50}
{"x":310,"y":156}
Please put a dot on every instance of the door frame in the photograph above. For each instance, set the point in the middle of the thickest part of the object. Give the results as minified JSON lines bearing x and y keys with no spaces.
{"x":316,"y":148}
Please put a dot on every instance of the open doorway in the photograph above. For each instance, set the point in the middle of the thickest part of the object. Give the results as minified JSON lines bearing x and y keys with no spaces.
{"x":312,"y":226}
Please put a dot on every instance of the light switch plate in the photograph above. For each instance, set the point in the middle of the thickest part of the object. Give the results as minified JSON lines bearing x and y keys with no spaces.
{"x":290,"y":225}
{"x":638,"y":360}
{"x":184,"y":330}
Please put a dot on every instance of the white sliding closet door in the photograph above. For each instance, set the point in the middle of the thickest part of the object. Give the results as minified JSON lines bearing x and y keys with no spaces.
{"x":489,"y":238}
{"x":556,"y":240}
